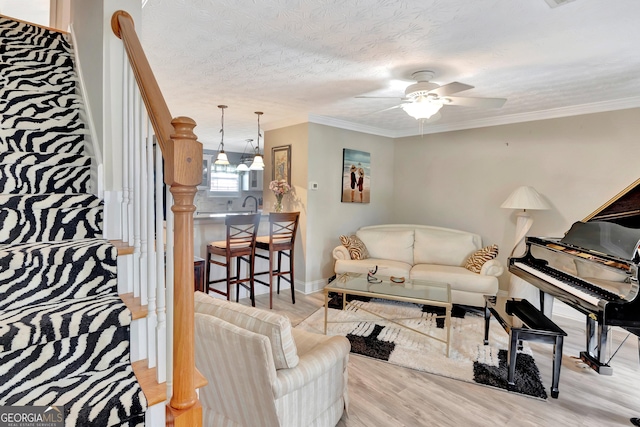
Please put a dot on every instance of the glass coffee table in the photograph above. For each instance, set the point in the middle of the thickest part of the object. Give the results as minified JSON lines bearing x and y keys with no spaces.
{"x":415,"y":291}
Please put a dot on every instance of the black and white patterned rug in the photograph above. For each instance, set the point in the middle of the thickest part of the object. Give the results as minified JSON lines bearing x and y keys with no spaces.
{"x":470,"y":360}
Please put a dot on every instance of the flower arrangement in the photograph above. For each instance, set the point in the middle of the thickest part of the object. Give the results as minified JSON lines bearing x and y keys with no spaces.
{"x":280,"y":187}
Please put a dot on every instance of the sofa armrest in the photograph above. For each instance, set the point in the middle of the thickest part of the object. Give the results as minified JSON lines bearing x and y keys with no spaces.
{"x":492,"y":268}
{"x":312,"y":365}
{"x":340,"y":252}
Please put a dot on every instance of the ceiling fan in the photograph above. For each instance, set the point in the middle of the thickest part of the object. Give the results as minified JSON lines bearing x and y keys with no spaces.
{"x":424,"y":98}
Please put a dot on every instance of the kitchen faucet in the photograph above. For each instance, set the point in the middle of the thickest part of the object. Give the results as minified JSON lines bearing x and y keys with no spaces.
{"x":244,"y":203}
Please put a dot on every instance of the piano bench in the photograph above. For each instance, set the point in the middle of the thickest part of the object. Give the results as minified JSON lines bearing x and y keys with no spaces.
{"x":523,"y":322}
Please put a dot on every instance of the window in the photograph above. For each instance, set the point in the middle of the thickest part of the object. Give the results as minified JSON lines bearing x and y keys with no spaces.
{"x":224,"y":182}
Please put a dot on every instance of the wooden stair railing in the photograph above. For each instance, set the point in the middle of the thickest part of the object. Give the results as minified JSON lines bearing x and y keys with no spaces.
{"x":182,"y":155}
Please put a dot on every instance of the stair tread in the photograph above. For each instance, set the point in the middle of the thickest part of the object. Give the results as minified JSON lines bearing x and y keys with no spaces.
{"x":50,"y":321}
{"x":18,"y":255}
{"x":41,"y":179}
{"x":52,"y":224}
{"x":69,"y":140}
{"x":38,"y":98}
{"x":88,"y":397}
{"x":35,"y":157}
{"x":21,"y":30}
{"x":52,"y":200}
{"x":69,"y":118}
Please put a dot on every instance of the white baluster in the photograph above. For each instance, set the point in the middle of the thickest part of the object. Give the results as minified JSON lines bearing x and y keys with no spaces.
{"x":125,"y":147}
{"x":161,"y":328}
{"x":169,"y":282}
{"x":136,"y":195}
{"x":131,"y":97}
{"x":142,"y":201}
{"x":152,"y":317}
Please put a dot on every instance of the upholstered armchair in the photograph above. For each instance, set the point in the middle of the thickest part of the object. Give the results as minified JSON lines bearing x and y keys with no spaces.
{"x":262,"y":372}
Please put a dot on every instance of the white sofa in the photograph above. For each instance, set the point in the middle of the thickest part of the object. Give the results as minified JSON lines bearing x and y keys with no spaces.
{"x":262,"y":372}
{"x":423,"y":252}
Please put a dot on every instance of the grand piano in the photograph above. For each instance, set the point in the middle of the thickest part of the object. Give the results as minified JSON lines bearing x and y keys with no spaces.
{"x":594,"y":269}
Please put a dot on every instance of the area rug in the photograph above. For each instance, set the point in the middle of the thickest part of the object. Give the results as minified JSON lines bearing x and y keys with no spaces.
{"x":470,"y":360}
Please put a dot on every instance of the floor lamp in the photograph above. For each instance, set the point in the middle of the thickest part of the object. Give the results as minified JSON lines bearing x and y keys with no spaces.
{"x":524,"y":199}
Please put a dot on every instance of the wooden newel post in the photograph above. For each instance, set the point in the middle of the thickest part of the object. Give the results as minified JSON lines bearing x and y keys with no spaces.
{"x":183,"y":172}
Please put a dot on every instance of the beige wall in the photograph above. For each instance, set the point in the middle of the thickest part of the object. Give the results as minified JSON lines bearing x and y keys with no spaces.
{"x":298,"y":137}
{"x":317,"y":157}
{"x":460,"y":179}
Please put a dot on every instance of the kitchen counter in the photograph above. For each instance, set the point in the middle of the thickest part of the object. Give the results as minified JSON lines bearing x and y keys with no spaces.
{"x":200,"y":217}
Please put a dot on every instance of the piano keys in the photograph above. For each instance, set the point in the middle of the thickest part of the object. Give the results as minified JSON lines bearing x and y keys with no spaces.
{"x":594,"y":269}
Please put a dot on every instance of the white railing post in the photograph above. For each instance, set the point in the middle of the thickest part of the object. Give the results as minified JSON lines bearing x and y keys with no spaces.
{"x":142,"y":201}
{"x":126,"y":71}
{"x":136,"y":194}
{"x":152,"y":316}
{"x":161,"y":328}
{"x":169,"y":286}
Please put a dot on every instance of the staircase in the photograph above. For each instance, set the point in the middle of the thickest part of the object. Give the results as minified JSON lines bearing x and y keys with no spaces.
{"x":64,"y":331}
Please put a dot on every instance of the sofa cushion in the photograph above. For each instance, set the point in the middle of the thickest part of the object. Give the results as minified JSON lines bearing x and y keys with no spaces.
{"x":459,"y":278}
{"x":443,"y":247}
{"x":393,"y":245}
{"x":477,"y":259}
{"x":274,"y":326}
{"x":357,"y":249}
{"x":386,"y":267}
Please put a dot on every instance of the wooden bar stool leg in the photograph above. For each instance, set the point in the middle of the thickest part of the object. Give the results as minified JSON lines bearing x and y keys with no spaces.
{"x":293,"y":292}
{"x":270,"y":279}
{"x":228,"y":280}
{"x":207,"y":270}
{"x":279,"y":270}
{"x":237,"y":278}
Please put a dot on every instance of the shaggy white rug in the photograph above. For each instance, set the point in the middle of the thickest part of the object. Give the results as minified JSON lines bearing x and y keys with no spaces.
{"x":469,"y":360}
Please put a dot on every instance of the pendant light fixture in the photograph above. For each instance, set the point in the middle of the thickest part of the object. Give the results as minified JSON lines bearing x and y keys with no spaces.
{"x":242,"y":167}
{"x":258,"y":162}
{"x":222,"y":158}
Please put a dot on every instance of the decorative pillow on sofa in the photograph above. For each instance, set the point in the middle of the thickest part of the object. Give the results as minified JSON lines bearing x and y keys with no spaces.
{"x":477,"y":259}
{"x":354,"y":245}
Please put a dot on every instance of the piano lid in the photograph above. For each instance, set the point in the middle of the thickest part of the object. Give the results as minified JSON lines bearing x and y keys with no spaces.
{"x":623,"y":208}
{"x":604,"y":237}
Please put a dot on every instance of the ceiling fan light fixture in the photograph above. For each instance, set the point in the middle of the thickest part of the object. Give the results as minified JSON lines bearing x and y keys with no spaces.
{"x":421,"y":109}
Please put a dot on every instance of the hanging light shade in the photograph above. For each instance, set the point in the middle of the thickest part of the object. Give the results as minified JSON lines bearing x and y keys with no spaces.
{"x":222,"y":158}
{"x":258,"y":162}
{"x":422,"y":108}
{"x":242,"y":167}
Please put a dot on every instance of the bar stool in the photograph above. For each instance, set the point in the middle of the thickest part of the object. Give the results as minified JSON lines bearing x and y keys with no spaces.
{"x":281,"y":238}
{"x":240,"y":244}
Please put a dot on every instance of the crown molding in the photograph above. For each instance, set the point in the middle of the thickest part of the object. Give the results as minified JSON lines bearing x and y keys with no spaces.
{"x":553,"y":113}
{"x":344,"y":124}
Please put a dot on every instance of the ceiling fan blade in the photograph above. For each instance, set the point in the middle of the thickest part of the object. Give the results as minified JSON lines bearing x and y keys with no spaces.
{"x":450,"y":88}
{"x":476,"y":102}
{"x":381,"y":97}
{"x":386,"y":109}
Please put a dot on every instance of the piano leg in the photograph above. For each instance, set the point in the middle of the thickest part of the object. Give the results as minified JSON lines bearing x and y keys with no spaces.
{"x":546,"y":304}
{"x":514,"y":338}
{"x":557,"y":363}
{"x":596,"y":354}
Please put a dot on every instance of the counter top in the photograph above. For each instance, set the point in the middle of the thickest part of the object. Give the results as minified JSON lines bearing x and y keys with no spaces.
{"x":220,"y":216}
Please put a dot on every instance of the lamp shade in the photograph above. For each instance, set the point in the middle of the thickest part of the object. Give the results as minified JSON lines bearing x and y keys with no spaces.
{"x":222,"y":158}
{"x":421,"y":109}
{"x":525,"y":197}
{"x":258,"y":163}
{"x":242,"y":167}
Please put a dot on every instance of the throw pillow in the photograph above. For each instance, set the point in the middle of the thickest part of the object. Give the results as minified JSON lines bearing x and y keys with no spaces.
{"x":477,"y":259}
{"x":354,"y":245}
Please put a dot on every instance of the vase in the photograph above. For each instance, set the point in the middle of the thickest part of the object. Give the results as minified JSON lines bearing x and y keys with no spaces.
{"x":278,"y":205}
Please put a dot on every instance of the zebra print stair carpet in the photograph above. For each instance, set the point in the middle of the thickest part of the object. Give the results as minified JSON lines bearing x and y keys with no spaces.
{"x":64,"y":331}
{"x":470,"y":360}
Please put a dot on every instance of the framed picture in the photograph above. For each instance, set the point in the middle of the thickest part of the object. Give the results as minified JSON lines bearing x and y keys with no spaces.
{"x":281,"y":163}
{"x":356,"y":176}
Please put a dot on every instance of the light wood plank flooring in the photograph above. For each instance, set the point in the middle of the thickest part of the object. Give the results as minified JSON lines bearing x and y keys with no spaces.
{"x":385,"y":395}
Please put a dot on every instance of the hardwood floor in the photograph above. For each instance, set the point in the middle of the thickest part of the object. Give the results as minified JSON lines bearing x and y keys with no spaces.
{"x":382,"y":394}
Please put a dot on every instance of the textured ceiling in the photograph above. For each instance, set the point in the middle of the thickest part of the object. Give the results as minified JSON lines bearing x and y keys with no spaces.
{"x":307,"y":60}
